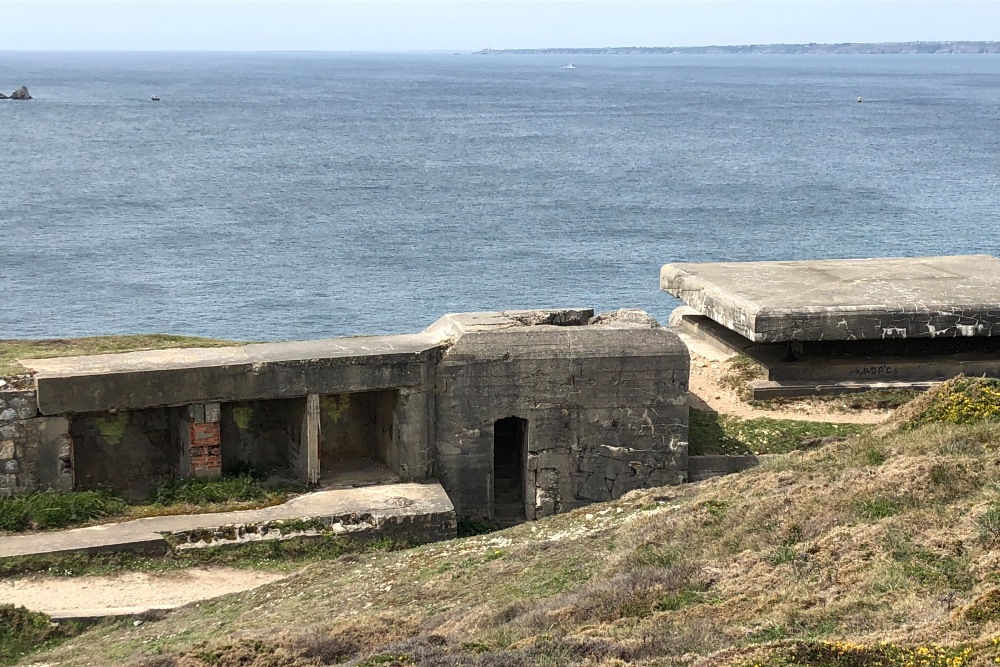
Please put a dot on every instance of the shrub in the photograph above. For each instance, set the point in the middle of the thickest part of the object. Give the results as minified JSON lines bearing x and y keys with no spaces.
{"x":22,"y":631}
{"x":961,"y":400}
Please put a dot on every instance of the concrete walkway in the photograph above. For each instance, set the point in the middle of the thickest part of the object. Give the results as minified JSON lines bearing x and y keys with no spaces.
{"x":415,"y":512}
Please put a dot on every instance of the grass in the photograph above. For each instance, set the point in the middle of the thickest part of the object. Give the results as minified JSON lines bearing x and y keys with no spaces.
{"x":12,"y":350}
{"x":273,"y":555}
{"x":740,"y":371}
{"x":712,"y":433}
{"x":52,"y":510}
{"x":875,"y":548}
{"x":41,"y":511}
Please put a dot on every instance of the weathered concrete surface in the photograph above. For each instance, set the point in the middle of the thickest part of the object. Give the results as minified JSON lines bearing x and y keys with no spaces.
{"x":605,"y":405}
{"x":846,"y":299}
{"x":132,"y":380}
{"x":414,"y":512}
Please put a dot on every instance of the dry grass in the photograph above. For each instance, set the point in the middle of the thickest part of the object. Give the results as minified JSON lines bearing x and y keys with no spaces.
{"x":12,"y":350}
{"x":870,"y":540}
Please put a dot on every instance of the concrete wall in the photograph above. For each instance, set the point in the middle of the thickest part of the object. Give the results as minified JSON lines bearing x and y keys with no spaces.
{"x":132,"y":451}
{"x":606,"y":411}
{"x":357,"y":426}
{"x":263,"y":435}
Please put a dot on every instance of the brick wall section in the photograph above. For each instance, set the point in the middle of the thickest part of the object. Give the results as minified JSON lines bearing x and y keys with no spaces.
{"x":206,"y":450}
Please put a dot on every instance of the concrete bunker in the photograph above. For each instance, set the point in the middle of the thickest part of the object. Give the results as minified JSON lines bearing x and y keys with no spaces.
{"x":518,"y":414}
{"x":836,"y":326}
{"x":539,"y":414}
{"x":510,"y":458}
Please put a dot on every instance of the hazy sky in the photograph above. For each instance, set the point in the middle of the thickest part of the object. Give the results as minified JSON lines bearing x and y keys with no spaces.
{"x":465,"y":25}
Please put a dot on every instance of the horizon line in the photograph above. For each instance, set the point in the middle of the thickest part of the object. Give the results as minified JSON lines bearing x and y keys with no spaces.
{"x":468,"y":51}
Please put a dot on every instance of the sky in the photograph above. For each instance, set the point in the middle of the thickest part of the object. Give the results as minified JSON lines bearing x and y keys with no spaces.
{"x":470,"y":25}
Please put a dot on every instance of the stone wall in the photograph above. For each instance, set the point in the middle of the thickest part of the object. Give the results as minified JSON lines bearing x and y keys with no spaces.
{"x":606,"y":409}
{"x":36,"y":453}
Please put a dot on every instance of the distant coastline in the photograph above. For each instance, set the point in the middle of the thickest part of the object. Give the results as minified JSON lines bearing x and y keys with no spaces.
{"x":769,"y":49}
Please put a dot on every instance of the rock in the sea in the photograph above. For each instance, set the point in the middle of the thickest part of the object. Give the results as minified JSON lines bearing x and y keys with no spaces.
{"x":20,"y":94}
{"x":3,"y":97}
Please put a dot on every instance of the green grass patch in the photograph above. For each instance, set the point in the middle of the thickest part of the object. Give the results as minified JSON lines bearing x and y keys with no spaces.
{"x":12,"y":350}
{"x":740,"y":372}
{"x":712,"y":433}
{"x":878,"y":507}
{"x":278,"y":555}
{"x":48,"y":510}
{"x":238,"y":488}
{"x":471,"y":526}
{"x":52,"y":510}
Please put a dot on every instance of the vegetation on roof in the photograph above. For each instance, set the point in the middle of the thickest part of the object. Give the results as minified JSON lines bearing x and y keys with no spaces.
{"x":13,"y":350}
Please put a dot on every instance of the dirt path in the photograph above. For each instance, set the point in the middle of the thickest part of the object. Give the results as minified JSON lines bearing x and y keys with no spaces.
{"x":710,"y":392}
{"x":129,"y":592}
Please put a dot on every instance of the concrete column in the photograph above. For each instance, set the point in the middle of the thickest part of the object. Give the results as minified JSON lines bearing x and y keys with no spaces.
{"x":308,"y":463}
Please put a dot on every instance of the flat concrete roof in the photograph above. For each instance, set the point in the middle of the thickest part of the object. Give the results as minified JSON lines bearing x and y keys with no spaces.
{"x":845,"y":299}
{"x":357,"y":348}
{"x":134,"y":380}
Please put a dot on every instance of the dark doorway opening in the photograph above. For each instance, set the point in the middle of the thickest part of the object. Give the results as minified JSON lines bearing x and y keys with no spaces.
{"x":510,"y":447}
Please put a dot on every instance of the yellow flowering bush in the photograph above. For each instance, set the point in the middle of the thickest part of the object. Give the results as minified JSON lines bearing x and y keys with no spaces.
{"x":963,"y":400}
{"x":847,"y":654}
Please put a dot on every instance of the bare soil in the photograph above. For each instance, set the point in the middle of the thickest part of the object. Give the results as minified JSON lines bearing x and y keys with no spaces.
{"x":129,"y":590}
{"x":709,"y":391}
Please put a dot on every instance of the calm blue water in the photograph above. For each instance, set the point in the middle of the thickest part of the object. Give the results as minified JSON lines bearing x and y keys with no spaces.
{"x":279,"y":196}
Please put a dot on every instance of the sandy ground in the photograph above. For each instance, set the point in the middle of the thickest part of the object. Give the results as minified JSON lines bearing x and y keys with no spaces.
{"x":710,"y":392}
{"x":130,"y":592}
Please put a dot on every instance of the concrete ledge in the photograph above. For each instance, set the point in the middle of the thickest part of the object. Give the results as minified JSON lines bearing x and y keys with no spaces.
{"x":762,"y":390}
{"x":414,"y":512}
{"x":708,"y":466}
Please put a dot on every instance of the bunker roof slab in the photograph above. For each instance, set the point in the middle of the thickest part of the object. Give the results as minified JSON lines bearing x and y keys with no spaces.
{"x":844,"y":299}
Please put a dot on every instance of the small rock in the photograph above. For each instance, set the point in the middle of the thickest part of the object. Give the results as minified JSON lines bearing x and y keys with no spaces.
{"x":21,"y":94}
{"x":136,"y":624}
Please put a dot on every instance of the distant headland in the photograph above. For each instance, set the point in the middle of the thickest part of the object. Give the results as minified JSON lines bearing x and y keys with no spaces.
{"x":869,"y":48}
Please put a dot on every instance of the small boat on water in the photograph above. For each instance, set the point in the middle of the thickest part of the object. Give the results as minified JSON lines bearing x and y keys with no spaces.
{"x":570,"y":66}
{"x":154,"y":98}
{"x":859,"y":100}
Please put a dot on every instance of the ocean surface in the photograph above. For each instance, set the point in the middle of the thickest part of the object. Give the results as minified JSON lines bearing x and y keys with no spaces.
{"x":288,"y":196}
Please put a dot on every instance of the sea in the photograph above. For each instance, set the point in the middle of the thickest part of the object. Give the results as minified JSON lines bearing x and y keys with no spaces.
{"x":278,"y":196}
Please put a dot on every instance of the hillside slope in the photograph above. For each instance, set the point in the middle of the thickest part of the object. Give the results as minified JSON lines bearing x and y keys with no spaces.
{"x":892,"y":539}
